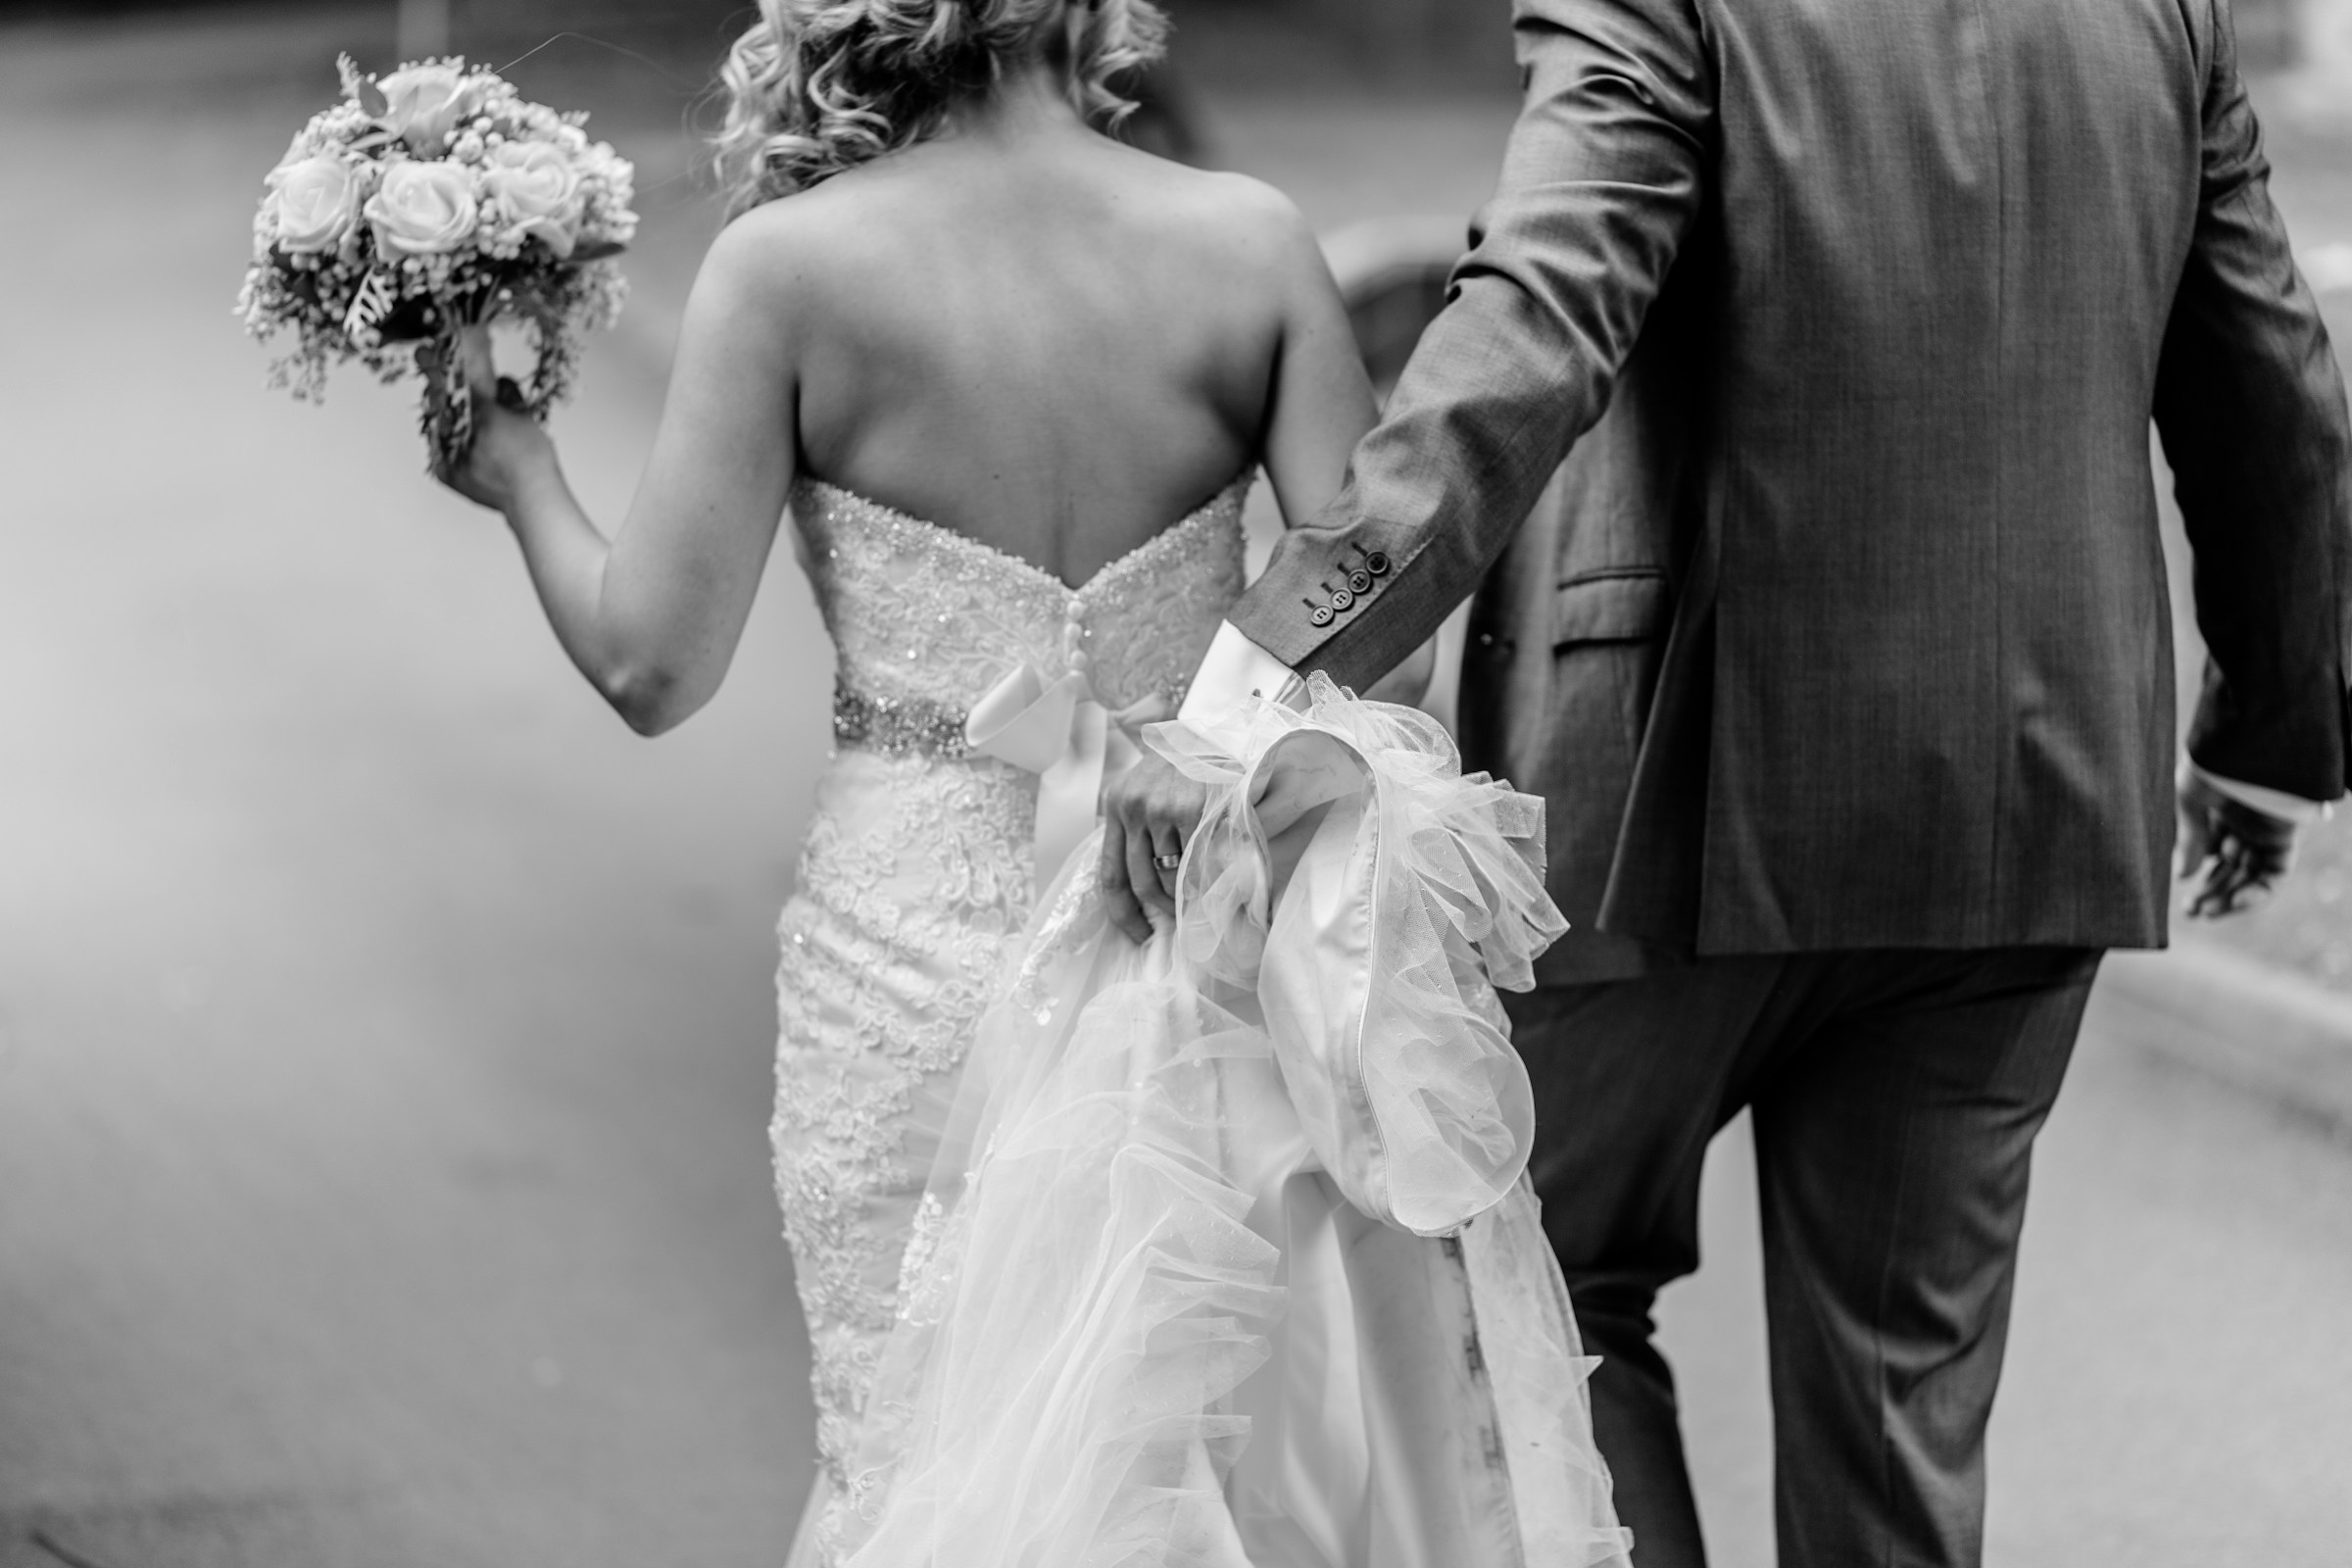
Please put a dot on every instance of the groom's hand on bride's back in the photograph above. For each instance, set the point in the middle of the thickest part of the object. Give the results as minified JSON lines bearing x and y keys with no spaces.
{"x":1148,"y":813}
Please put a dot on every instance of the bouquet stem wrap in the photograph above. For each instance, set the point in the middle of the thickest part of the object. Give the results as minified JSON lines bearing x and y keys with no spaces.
{"x":446,"y":414}
{"x":1214,"y":1219}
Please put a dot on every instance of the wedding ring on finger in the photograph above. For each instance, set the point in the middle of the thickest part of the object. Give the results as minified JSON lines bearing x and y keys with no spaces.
{"x":1167,"y":863}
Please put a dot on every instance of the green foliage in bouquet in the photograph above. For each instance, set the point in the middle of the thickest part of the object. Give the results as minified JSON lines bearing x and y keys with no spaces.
{"x":425,"y":201}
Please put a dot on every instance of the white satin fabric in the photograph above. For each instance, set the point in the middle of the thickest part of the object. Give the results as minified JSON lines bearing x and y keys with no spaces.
{"x":1227,"y":1261}
{"x":1060,"y":731}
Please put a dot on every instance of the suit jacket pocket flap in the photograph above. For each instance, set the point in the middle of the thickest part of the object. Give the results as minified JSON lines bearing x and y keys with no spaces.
{"x":1618,"y":608}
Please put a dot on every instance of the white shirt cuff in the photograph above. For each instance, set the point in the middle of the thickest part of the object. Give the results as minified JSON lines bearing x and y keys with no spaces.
{"x":1234,"y":668}
{"x":2271,"y":802}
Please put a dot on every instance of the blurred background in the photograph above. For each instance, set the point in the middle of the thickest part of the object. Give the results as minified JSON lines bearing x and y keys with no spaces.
{"x":384,"y":1031}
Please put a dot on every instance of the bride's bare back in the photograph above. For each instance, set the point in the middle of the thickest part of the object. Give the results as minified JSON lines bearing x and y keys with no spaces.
{"x":1048,"y":340}
{"x":1017,"y":330}
{"x":1051,"y":342}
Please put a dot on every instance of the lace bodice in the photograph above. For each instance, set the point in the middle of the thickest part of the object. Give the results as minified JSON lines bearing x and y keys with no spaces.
{"x":922,"y":611}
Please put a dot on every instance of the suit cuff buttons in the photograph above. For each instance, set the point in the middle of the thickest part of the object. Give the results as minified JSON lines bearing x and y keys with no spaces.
{"x":1353,"y":591}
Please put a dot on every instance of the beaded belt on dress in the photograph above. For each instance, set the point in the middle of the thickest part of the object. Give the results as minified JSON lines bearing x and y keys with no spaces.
{"x":898,"y":726}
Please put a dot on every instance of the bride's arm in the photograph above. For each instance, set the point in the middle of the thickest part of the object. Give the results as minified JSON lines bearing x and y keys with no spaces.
{"x":1322,"y":406}
{"x":1321,"y":402}
{"x":652,"y":616}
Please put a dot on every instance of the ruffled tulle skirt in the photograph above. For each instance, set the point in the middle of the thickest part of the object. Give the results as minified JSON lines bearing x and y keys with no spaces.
{"x":1228,"y":1261}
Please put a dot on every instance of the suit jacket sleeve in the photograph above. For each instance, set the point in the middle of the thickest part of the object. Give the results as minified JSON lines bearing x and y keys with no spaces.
{"x":1602,"y":181}
{"x":2250,"y":406}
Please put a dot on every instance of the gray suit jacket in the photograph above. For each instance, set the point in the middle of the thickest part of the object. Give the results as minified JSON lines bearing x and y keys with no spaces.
{"x":1846,"y":626}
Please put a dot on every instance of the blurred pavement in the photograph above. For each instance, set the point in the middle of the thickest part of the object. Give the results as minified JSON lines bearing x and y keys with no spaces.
{"x":384,"y":1031}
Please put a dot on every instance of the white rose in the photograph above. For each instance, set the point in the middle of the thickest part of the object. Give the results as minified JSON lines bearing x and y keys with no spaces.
{"x":423,"y":208}
{"x":425,"y":103}
{"x":314,"y":203}
{"x":535,"y":192}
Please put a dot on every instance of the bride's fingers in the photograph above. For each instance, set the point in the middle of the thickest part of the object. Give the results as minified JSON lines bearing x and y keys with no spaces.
{"x":1143,"y":878}
{"x":1110,"y":874}
{"x":1167,"y":851}
{"x":479,"y":365}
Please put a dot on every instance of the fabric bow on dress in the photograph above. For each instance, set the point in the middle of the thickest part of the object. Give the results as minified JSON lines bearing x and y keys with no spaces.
{"x":1062,"y":732}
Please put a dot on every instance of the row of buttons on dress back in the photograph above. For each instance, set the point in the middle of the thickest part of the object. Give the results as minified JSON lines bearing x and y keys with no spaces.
{"x":1357,"y":587}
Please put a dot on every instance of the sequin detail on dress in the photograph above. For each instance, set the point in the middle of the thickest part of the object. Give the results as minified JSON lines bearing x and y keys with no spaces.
{"x":897,"y":725}
{"x":915,"y":873}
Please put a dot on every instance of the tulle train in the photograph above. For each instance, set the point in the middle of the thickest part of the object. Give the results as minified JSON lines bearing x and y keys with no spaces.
{"x":1169,"y":1303}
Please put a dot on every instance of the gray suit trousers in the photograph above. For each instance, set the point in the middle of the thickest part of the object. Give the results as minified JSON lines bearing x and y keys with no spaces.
{"x":1896,"y":1096}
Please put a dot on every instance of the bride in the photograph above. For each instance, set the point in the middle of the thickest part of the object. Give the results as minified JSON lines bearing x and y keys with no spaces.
{"x":981,"y":355}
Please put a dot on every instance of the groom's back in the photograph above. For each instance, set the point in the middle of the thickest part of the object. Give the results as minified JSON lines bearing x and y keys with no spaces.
{"x":1950,"y":233}
{"x":1970,"y":210}
{"x":1867,"y":536}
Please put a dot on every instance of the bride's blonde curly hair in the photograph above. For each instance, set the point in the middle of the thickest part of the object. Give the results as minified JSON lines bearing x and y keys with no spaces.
{"x":817,"y":86}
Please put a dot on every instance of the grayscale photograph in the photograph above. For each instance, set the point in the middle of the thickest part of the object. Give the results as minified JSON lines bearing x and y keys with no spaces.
{"x":1175,"y":784}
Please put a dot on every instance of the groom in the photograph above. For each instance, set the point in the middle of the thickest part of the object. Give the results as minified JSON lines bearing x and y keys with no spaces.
{"x":1839,"y":648}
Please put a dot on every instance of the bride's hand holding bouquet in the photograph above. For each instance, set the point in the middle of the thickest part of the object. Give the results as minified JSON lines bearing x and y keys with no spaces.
{"x":510,"y":452}
{"x":429,"y":202}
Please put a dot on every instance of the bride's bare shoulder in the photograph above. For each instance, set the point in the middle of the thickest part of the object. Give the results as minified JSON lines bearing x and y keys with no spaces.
{"x":864,"y":235}
{"x":1221,"y":206}
{"x":780,"y":240}
{"x":1235,"y":233}
{"x":770,"y":266}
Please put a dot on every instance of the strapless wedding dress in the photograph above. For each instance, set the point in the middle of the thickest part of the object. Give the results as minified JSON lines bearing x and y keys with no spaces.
{"x":918,"y":870}
{"x":1214,"y":1252}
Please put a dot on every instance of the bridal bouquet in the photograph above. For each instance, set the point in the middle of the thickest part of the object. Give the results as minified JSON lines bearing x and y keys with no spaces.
{"x":424,"y":203}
